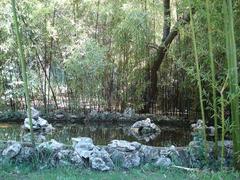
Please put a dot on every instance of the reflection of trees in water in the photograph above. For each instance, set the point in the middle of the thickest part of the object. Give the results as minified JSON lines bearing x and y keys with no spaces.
{"x":10,"y":132}
{"x":102,"y":134}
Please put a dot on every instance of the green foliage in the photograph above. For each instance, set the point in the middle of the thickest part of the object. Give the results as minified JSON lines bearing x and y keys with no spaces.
{"x":134,"y":33}
{"x":85,"y":68}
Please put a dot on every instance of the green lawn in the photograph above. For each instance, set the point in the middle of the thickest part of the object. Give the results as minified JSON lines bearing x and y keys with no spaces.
{"x":147,"y":172}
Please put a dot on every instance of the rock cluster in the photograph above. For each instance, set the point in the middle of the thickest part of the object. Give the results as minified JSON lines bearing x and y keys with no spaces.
{"x":119,"y":153}
{"x":198,"y":126}
{"x":83,"y":153}
{"x":38,"y":123}
{"x":196,"y":146}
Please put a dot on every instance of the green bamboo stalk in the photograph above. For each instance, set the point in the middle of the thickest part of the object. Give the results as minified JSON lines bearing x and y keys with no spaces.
{"x":223,"y":120}
{"x":214,"y":83}
{"x":23,"y":66}
{"x":233,"y":77}
{"x":198,"y":80}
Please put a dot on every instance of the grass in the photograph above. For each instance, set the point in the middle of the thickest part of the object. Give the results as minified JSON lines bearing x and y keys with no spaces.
{"x":10,"y":172}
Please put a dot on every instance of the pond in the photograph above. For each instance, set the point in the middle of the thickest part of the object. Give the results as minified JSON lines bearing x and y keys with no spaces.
{"x":101,"y":133}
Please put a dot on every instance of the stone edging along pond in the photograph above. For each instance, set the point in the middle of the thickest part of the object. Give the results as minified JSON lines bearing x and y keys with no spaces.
{"x":119,"y":153}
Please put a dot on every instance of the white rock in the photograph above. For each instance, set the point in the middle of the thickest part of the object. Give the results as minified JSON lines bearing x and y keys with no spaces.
{"x":99,"y":164}
{"x":42,"y":122}
{"x":123,"y":145}
{"x":83,"y":146}
{"x":163,"y":162}
{"x":49,"y":128}
{"x":12,"y":150}
{"x":27,"y":124}
{"x":52,"y":145}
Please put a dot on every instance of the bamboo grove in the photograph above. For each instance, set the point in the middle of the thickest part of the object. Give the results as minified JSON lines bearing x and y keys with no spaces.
{"x":112,"y":54}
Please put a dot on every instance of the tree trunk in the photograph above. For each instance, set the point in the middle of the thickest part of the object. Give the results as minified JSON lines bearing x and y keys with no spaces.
{"x":167,"y":20}
{"x":150,"y":95}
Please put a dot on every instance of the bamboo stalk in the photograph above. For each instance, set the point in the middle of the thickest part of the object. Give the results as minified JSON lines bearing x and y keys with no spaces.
{"x":233,"y":77}
{"x":198,"y":80}
{"x":23,"y":67}
{"x":223,"y":120}
{"x":213,"y":79}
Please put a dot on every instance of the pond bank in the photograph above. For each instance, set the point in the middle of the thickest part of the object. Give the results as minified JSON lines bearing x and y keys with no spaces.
{"x":83,"y":153}
{"x":94,"y":116}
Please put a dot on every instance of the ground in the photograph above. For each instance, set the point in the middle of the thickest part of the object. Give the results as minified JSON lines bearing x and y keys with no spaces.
{"x":147,"y":172}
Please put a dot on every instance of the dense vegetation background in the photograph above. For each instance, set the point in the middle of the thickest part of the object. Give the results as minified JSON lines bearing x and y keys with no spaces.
{"x":111,"y":54}
{"x":176,"y":57}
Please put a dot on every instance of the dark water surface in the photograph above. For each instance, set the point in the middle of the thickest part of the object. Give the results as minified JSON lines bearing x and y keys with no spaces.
{"x":102,"y":133}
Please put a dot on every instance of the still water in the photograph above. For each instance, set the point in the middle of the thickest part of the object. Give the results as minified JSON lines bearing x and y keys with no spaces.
{"x":101,"y":133}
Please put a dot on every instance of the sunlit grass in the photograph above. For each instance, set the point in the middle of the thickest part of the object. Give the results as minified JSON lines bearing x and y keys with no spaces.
{"x":141,"y":173}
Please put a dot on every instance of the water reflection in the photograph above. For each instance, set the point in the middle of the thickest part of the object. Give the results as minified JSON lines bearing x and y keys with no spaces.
{"x":101,"y":133}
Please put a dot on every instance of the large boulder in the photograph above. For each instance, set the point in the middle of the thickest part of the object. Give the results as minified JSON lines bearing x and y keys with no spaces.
{"x":12,"y":149}
{"x":144,"y":130}
{"x":83,"y":146}
{"x":125,"y":154}
{"x":97,"y":157}
{"x":144,"y":127}
{"x":100,"y":160}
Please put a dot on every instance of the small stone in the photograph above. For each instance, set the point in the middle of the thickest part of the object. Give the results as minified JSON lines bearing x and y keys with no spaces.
{"x":59,"y":116}
{"x":72,"y":116}
{"x":129,"y":112}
